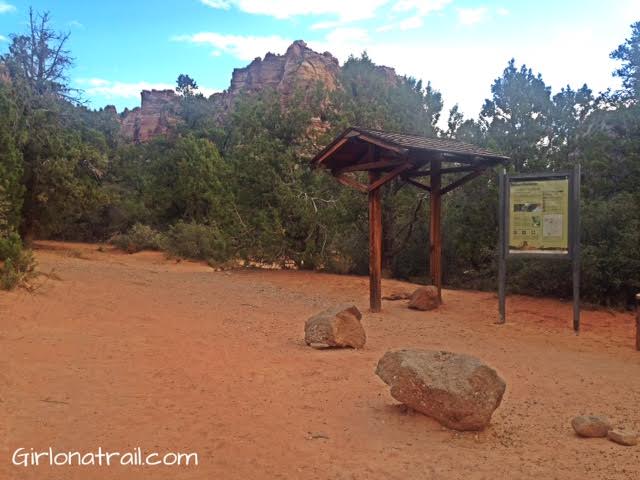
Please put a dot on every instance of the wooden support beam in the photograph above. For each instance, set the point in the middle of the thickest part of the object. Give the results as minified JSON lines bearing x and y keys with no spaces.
{"x":435,"y":235}
{"x":328,"y":153}
{"x":464,"y":168}
{"x":371,"y":166}
{"x":415,"y":183}
{"x":390,"y":176}
{"x":375,"y":245}
{"x":462,"y":181}
{"x":352,"y":182}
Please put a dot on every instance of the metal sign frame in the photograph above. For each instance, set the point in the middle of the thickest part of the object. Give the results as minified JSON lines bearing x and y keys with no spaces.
{"x":573,"y":253}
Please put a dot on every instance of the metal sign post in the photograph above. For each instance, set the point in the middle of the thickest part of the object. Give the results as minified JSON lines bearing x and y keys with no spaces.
{"x":539,"y":217}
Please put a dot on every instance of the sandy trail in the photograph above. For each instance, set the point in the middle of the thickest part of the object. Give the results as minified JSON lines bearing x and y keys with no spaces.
{"x":134,"y":350}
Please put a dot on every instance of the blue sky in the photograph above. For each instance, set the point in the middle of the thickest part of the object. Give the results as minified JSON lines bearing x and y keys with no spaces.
{"x":459,"y":45}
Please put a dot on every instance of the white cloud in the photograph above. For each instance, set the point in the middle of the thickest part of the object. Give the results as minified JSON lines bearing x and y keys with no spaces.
{"x":242,"y":47}
{"x":411,"y":23}
{"x":422,"y":7}
{"x":326,"y":25}
{"x":345,"y":11}
{"x":419,"y":8}
{"x":128,"y":90}
{"x":564,"y":56}
{"x":219,"y":4}
{"x":94,"y":82}
{"x":471,"y":16}
{"x":110,"y":90}
{"x":3,"y":38}
{"x":6,"y":7}
{"x":631,"y":8}
{"x":75,"y":24}
{"x":503,"y":12}
{"x":346,"y":35}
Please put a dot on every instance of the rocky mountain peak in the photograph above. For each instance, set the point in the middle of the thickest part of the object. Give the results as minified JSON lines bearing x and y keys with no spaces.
{"x":299,"y":69}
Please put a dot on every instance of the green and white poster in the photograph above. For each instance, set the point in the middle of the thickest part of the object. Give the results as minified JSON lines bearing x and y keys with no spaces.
{"x":539,"y":216}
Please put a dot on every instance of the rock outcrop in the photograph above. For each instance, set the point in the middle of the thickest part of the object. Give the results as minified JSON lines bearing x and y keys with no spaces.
{"x":458,"y":390}
{"x":336,"y":327}
{"x":300,"y":67}
{"x":157,"y":115}
{"x":299,"y":70}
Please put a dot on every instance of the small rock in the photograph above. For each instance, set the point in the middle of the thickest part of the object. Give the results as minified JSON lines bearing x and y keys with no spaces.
{"x":397,"y":296}
{"x":336,"y":327}
{"x":425,"y":298}
{"x":458,"y":390}
{"x":591,"y":426}
{"x":623,"y":437}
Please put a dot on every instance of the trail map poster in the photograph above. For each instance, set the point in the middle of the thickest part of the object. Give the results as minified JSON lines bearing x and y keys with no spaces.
{"x":539,"y":216}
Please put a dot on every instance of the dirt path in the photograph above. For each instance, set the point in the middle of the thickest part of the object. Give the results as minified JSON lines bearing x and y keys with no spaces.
{"x":134,"y":350}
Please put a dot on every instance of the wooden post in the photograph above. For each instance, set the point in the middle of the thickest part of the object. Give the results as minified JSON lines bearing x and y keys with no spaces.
{"x":375,"y":245}
{"x":435,"y":236}
{"x":638,"y":321}
{"x":575,"y":239}
{"x":502,"y":247}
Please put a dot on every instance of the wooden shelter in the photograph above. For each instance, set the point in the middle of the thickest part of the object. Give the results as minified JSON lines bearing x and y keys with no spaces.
{"x":385,"y":156}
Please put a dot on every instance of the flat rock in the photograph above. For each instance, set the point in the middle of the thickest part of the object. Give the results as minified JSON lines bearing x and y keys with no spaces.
{"x":425,"y":298}
{"x":623,"y":437}
{"x":336,"y":327}
{"x":591,"y":426}
{"x":458,"y":390}
{"x":397,"y":296}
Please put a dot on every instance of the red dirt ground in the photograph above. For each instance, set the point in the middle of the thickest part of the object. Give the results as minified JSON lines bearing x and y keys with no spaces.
{"x":135,"y":350}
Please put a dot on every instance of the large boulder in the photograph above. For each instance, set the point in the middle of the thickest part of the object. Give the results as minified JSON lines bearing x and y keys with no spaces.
{"x":336,"y":327}
{"x":458,"y":390}
{"x":425,"y":298}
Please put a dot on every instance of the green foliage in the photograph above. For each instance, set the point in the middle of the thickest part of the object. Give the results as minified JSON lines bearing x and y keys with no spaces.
{"x":18,"y":270}
{"x":139,"y":237}
{"x":611,"y":248}
{"x":198,"y":242}
{"x":629,"y":54}
{"x":11,"y":165}
{"x":17,"y":265}
{"x":518,"y":118}
{"x":186,"y":85}
{"x":38,"y":60}
{"x":10,"y":246}
{"x":374,"y":97}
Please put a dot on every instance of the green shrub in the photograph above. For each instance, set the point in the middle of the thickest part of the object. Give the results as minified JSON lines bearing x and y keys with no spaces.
{"x":10,"y":246}
{"x":197,"y":241}
{"x":139,"y":237}
{"x":17,"y":265}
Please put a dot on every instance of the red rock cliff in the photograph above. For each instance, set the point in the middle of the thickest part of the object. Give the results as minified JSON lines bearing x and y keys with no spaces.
{"x":157,"y":115}
{"x":299,"y":69}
